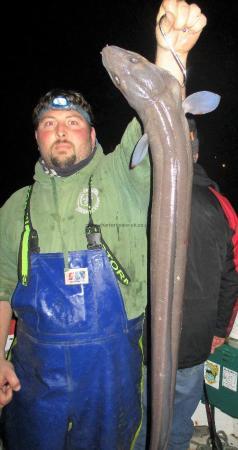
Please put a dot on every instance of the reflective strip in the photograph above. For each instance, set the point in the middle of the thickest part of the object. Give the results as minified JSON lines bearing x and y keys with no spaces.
{"x":25,"y":255}
{"x":142,"y":387}
{"x":24,"y":249}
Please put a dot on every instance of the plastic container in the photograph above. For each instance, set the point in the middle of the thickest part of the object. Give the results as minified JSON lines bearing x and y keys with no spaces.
{"x":221,"y":377}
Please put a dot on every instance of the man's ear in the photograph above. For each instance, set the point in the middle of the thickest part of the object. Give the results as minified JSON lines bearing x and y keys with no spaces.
{"x":93,"y":136}
{"x":36,"y":137}
{"x":195,"y":157}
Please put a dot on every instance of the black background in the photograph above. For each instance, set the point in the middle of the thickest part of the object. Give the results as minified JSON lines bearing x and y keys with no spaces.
{"x":58,"y":45}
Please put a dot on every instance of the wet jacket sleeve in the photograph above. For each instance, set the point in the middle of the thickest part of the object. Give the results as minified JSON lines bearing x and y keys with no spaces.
{"x":229,"y":285}
{"x":9,"y":242}
{"x":140,"y":175}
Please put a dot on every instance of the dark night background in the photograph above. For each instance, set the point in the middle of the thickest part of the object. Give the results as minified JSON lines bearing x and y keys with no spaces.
{"x":53,"y":45}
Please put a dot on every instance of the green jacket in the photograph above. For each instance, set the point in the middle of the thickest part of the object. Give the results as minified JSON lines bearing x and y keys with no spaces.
{"x":59,"y":213}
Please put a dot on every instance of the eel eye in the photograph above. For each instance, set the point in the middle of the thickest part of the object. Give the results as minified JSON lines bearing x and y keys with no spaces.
{"x":117,"y":80}
{"x":134,"y":60}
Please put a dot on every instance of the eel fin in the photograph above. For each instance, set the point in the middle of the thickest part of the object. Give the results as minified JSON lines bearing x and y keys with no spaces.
{"x":140,"y":151}
{"x":201,"y":102}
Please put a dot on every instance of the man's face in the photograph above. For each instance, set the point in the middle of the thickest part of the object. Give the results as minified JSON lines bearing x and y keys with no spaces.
{"x":64,"y":138}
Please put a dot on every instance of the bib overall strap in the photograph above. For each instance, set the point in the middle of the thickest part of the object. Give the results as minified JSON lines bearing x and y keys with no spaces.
{"x":28,"y":244}
{"x":95,"y":240}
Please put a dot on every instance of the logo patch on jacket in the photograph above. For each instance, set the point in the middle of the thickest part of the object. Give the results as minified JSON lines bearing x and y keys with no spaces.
{"x":82,"y":201}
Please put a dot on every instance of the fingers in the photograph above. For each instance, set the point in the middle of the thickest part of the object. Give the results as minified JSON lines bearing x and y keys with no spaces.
{"x":198,"y":24}
{"x":5,"y":395}
{"x":195,"y":20}
{"x":168,"y":9}
{"x":13,"y":381}
{"x":169,"y":6}
{"x":8,"y":380}
{"x":216,"y":342}
{"x":186,"y":15}
{"x":8,"y":384}
{"x":181,"y":16}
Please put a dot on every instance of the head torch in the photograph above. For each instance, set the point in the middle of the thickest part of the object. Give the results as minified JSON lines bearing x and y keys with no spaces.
{"x":63,"y":103}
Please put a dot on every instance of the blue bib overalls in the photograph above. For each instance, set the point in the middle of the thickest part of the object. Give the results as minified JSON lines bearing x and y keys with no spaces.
{"x":78,"y":359}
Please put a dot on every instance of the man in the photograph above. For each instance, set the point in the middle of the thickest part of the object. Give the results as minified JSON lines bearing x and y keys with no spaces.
{"x":80,"y":292}
{"x":211,"y":290}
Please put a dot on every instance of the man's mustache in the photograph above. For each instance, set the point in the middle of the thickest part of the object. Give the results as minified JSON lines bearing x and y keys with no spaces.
{"x":61,"y":141}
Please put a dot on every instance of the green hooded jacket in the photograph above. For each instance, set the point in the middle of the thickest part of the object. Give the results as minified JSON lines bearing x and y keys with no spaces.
{"x":59,"y":213}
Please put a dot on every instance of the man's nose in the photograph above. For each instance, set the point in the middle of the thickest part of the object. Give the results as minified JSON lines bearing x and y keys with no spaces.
{"x":61,"y":130}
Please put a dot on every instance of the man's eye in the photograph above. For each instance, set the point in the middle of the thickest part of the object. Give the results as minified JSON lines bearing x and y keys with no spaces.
{"x":73,"y":123}
{"x":48,"y":124}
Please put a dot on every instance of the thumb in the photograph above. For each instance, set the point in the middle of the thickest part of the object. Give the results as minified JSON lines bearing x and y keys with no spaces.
{"x":13,"y":381}
{"x":168,"y":21}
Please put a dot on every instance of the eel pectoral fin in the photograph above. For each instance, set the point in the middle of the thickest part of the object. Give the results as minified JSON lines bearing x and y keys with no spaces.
{"x":201,"y":102}
{"x":140,"y":151}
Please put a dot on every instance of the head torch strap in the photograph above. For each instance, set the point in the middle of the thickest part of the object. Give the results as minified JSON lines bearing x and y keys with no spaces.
{"x":62,"y":103}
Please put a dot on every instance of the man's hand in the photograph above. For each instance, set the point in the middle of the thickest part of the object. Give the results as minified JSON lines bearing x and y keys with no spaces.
{"x":8,"y":382}
{"x":182,"y":24}
{"x":217,"y":342}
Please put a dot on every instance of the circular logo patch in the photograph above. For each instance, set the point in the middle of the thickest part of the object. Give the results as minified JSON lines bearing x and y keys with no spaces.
{"x":82,"y":202}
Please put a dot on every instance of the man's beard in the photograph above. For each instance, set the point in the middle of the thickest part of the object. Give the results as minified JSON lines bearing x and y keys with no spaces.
{"x":63,"y":164}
